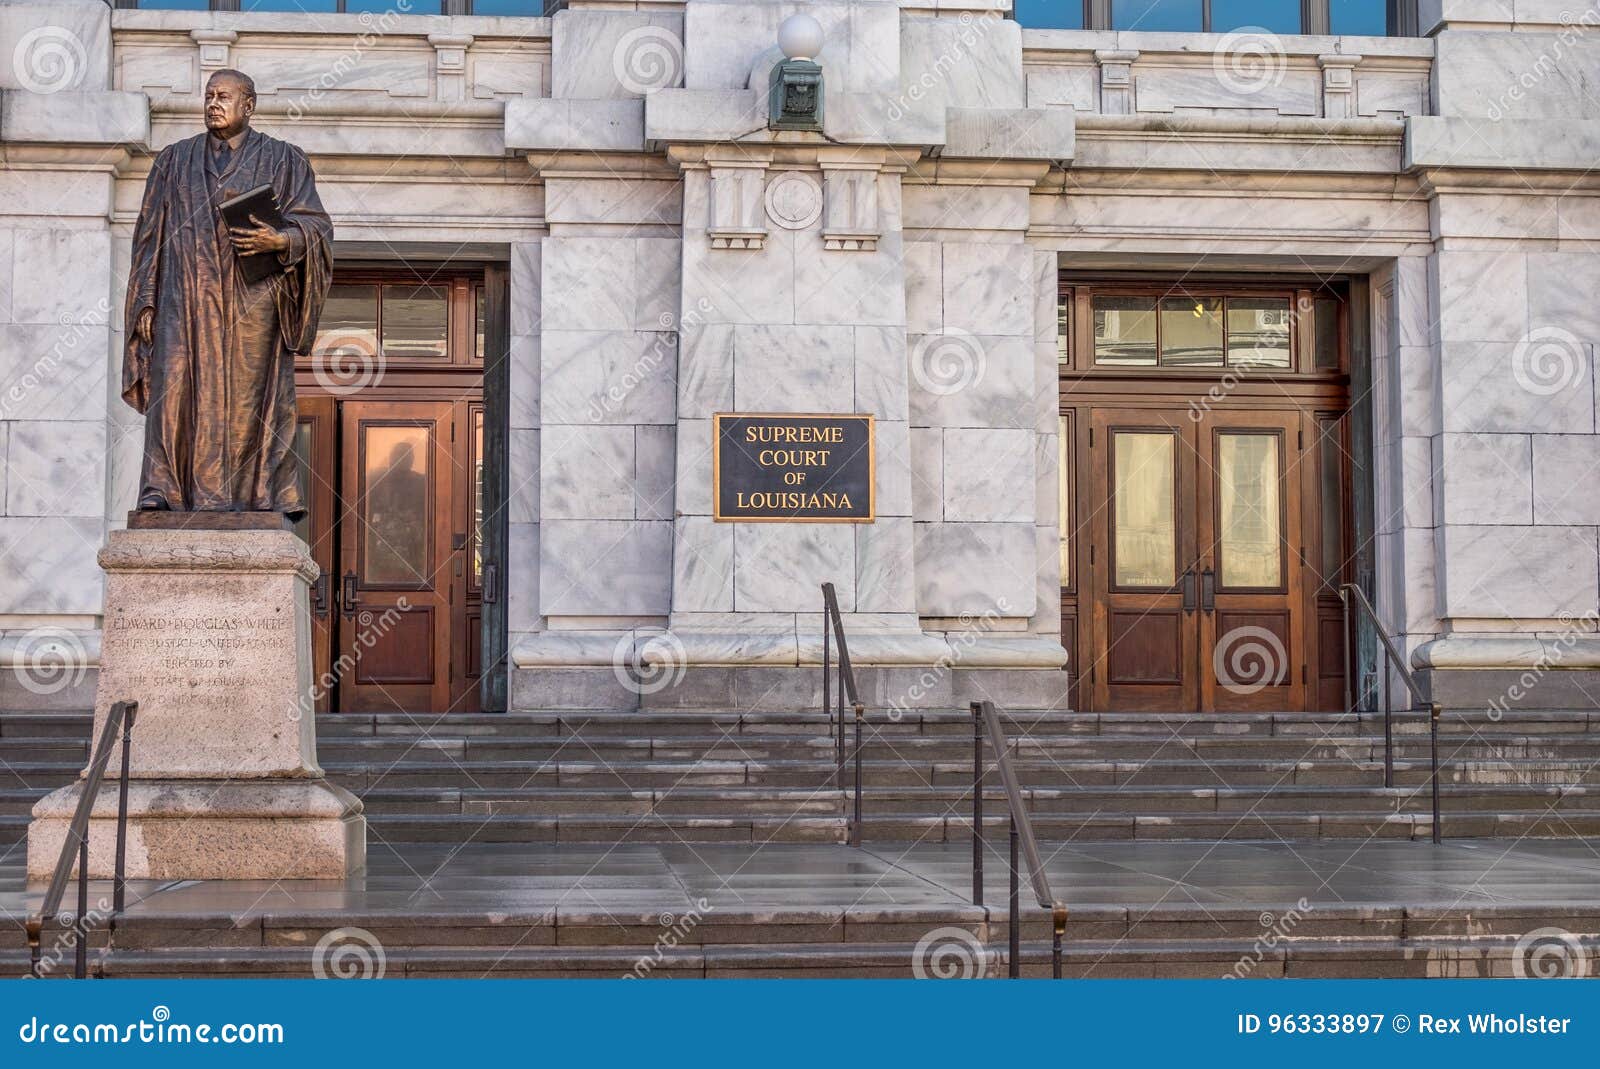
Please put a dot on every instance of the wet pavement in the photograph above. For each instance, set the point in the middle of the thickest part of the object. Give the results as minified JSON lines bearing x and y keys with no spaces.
{"x":780,"y":878}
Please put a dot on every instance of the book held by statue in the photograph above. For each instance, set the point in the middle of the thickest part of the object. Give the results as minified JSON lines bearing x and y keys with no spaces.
{"x":263,"y":204}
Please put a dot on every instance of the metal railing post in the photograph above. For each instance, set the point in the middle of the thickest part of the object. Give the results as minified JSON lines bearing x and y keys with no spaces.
{"x":1434,"y":712}
{"x":1388,"y":726}
{"x":855,"y":824}
{"x":1350,"y":655}
{"x":1059,"y":923}
{"x":119,"y":894}
{"x":977,"y":804}
{"x":80,"y":966}
{"x":1014,"y":925}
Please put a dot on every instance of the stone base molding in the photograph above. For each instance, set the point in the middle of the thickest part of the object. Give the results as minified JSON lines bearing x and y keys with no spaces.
{"x":210,"y":830}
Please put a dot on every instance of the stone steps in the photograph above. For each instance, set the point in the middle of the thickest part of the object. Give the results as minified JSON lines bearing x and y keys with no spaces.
{"x":1106,"y":941}
{"x":919,"y":749}
{"x":1391,"y":959}
{"x":758,"y":777}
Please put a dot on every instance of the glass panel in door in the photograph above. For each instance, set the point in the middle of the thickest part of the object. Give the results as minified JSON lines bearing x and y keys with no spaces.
{"x":1145,"y":539}
{"x":1249,"y":513}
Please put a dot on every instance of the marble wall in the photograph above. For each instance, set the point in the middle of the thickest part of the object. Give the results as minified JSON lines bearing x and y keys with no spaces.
{"x":60,"y":126}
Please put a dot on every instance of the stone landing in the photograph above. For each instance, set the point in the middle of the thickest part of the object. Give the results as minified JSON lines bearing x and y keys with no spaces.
{"x":210,"y":632}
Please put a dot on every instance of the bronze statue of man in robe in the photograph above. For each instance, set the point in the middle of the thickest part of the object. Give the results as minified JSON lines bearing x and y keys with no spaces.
{"x":210,"y":354}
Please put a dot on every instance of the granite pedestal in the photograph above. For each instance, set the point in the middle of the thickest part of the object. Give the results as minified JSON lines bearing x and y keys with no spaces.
{"x":209,"y":630}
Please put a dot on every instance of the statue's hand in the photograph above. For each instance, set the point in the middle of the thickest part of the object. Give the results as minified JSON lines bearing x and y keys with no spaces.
{"x":145,"y":325}
{"x":259,"y":238}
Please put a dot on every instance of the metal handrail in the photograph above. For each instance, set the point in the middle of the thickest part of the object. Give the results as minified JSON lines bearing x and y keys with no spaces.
{"x":986,"y":719}
{"x":119,"y":718}
{"x":1392,"y":662}
{"x":833,"y":621}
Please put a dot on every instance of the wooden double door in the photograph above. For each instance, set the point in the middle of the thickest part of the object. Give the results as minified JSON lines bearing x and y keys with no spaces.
{"x":394,"y":488}
{"x":1198,"y":589}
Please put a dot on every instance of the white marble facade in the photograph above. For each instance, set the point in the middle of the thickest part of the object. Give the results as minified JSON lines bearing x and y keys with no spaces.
{"x":616,"y":156}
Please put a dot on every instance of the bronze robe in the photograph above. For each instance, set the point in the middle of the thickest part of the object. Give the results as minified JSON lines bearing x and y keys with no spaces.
{"x":216,"y":384}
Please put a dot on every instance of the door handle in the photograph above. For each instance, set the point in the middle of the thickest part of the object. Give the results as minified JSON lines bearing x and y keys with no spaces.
{"x":347,"y":595}
{"x":1187,"y":582}
{"x":491,"y":584}
{"x":1208,"y":590}
{"x":319,"y":596}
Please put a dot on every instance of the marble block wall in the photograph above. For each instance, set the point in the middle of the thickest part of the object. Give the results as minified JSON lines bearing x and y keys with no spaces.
{"x":607,"y":399}
{"x":977,"y":422}
{"x":64,"y":133}
{"x":1513,"y":438}
{"x":793,"y":326}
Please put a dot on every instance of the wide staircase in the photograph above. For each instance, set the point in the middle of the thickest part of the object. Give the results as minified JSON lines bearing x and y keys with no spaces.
{"x":775,"y":777}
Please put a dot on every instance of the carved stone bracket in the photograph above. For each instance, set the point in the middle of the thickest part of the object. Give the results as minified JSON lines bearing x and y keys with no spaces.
{"x":1116,"y":80}
{"x":850,"y":210}
{"x":215,"y":46}
{"x":450,"y":65}
{"x":1338,"y":85}
{"x":737,"y":217}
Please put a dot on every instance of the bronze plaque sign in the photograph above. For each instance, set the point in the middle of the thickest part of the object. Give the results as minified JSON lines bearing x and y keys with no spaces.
{"x":792,"y":468}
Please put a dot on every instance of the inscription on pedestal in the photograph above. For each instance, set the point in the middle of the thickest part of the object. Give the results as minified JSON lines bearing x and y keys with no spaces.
{"x":199,"y":656}
{"x":794,"y":468}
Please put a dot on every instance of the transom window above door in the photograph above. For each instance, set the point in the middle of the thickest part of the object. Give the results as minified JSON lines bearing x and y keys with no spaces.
{"x":424,"y":319}
{"x":1254,"y":328}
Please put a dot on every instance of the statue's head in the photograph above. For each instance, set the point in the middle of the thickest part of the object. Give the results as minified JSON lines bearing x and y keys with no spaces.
{"x":230,"y":101}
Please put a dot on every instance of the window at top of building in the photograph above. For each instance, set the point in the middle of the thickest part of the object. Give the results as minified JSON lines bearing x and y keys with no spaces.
{"x":1157,"y":15}
{"x":1367,"y":18}
{"x":1049,"y":14}
{"x":524,"y":8}
{"x":1364,"y":18}
{"x":1272,"y":16}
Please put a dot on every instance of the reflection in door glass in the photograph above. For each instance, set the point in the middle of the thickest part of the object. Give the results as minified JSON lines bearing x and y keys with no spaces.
{"x":1247,"y":511}
{"x":1191,"y":331}
{"x":302,"y":476}
{"x":1064,"y":495}
{"x":1145,"y":541}
{"x":395,"y":495}
{"x":477,"y":498}
{"x":1125,"y":331}
{"x":349,"y":323}
{"x":414,"y":321}
{"x":1258,"y":331}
